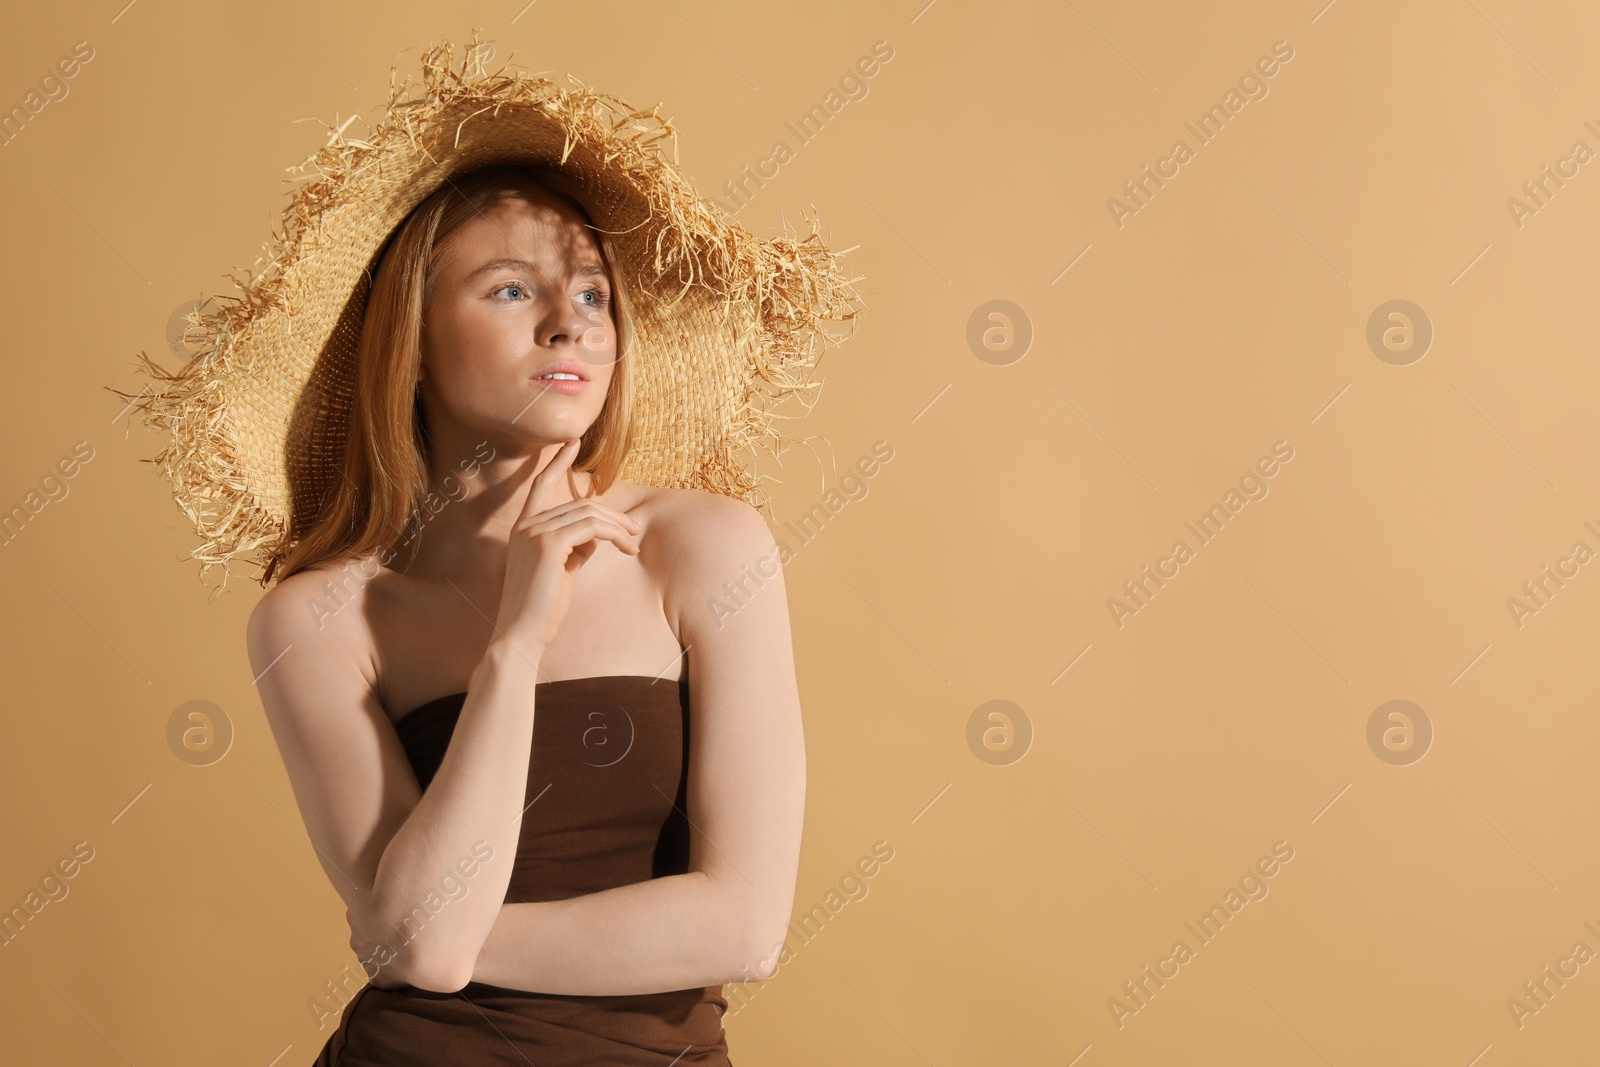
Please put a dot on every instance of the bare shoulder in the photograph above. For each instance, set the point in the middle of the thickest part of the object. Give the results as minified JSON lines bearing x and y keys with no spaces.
{"x":695,"y":541}
{"x":693,"y":524}
{"x":298,"y":617}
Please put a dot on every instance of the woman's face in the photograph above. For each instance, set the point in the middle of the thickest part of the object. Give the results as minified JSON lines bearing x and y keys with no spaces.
{"x":518,"y":293}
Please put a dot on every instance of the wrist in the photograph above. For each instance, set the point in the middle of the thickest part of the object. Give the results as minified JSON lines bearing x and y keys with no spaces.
{"x":509,"y":656}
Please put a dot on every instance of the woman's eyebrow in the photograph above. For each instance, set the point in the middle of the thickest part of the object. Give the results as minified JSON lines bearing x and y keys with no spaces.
{"x":582,"y":270}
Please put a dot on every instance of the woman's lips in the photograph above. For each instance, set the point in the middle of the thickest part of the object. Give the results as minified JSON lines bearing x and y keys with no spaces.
{"x":562,"y":385}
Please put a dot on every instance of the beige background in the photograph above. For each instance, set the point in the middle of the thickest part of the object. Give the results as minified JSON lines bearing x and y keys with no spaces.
{"x":1228,"y":714}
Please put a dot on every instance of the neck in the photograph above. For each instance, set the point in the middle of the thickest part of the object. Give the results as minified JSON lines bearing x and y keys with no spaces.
{"x":472,"y":501}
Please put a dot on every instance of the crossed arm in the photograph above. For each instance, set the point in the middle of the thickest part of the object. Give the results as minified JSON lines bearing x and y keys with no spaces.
{"x":725,"y":919}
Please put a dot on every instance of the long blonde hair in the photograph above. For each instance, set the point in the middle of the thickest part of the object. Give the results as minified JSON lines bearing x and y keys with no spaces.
{"x":378,"y":503}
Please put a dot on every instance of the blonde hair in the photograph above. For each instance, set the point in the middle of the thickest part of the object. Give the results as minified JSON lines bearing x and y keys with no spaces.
{"x":377,"y":504}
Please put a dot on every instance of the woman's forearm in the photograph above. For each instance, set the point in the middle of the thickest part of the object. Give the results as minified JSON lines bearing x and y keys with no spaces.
{"x":476,"y":796}
{"x":675,"y":932}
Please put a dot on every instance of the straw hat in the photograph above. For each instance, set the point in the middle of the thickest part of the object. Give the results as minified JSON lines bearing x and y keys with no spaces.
{"x":726,"y":324}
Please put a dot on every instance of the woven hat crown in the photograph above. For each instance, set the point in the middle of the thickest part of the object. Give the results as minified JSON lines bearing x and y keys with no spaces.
{"x":727,"y":325}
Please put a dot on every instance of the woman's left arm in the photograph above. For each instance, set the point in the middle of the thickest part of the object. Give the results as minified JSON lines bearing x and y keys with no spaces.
{"x":726,"y":919}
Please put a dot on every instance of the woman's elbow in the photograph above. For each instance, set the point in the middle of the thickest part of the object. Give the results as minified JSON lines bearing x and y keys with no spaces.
{"x":755,"y":958}
{"x":438,"y":975}
{"x":434,"y":971}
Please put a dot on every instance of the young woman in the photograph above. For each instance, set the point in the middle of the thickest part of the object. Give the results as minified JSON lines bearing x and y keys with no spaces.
{"x":487,"y":726}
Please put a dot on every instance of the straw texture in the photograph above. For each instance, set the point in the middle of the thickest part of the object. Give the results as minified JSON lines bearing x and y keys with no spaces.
{"x":728,"y":325}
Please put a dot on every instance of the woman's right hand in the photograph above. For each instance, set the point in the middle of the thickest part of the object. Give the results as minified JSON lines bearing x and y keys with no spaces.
{"x":549,"y":544}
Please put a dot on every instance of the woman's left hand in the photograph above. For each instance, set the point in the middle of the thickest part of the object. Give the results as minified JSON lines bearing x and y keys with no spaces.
{"x":372,"y":953}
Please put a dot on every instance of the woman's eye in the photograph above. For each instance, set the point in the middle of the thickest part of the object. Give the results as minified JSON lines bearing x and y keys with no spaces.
{"x":600,"y":298}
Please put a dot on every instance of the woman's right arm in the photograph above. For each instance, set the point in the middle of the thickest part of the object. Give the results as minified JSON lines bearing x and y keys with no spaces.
{"x":385,"y":844}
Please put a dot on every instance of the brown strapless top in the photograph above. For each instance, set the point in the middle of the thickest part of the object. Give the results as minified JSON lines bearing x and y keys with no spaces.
{"x":608,"y":752}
